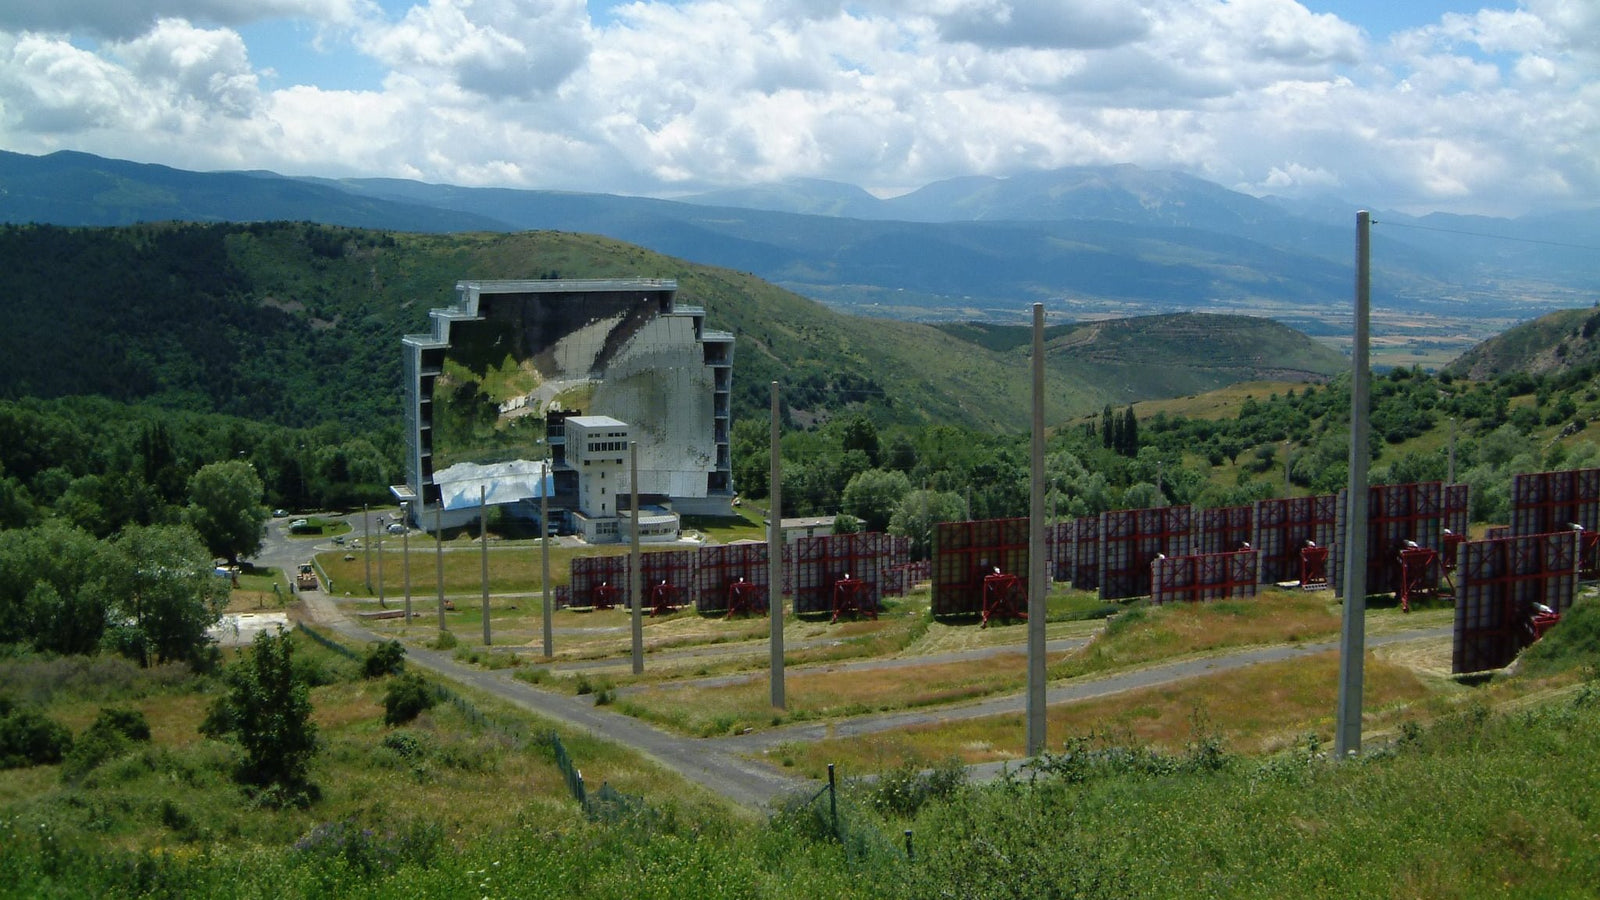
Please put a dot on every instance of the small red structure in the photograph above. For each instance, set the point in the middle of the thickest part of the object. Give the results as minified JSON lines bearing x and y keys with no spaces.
{"x":663,"y":599}
{"x":1002,"y":597}
{"x":605,"y":595}
{"x":853,"y":596}
{"x":1542,"y":620}
{"x":1588,"y":553}
{"x":1313,"y":566}
{"x":1452,"y":546}
{"x":744,"y":597}
{"x":1420,"y":575}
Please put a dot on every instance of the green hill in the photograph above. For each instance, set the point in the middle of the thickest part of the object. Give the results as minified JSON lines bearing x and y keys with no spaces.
{"x":298,"y":324}
{"x":1549,"y":345}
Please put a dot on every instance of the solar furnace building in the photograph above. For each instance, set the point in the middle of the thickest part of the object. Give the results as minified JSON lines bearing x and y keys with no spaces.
{"x":490,"y":388}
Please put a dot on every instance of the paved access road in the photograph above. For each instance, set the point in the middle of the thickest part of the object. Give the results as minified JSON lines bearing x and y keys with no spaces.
{"x":720,"y":764}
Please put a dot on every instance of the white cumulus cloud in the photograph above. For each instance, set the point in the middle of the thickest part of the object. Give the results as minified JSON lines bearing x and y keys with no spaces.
{"x":1483,"y":110}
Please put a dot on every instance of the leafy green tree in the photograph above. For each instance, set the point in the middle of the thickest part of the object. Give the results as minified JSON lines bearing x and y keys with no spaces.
{"x":902,"y":454}
{"x":919,"y":511}
{"x":873,"y":495}
{"x":844,"y":523}
{"x":16,"y":505}
{"x":856,"y":432}
{"x":225,"y":508}
{"x":54,"y":592}
{"x":1128,"y":434}
{"x":751,"y":457}
{"x":1142,"y":496}
{"x":169,"y":593}
{"x":267,"y":711}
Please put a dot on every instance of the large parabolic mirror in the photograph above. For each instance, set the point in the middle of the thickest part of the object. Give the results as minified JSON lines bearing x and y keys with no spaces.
{"x":510,"y":353}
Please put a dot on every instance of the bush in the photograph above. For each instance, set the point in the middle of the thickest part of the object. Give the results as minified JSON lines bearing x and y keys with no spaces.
{"x":904,"y":790}
{"x":30,"y":738}
{"x":112,"y":734}
{"x":409,"y":695}
{"x":386,"y":658}
{"x":267,"y":709}
{"x":445,"y":641}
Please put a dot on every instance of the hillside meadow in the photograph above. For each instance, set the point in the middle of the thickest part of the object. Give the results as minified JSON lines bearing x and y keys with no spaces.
{"x":1473,"y":802}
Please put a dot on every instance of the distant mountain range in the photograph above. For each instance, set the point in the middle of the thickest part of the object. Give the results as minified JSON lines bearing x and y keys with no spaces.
{"x":1093,"y":242}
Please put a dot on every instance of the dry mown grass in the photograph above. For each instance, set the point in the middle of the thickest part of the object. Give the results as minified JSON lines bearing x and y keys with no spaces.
{"x":1255,"y":710}
{"x":709,"y":710}
{"x":1151,"y":634}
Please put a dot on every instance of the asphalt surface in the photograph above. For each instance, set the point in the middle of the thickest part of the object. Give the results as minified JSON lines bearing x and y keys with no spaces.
{"x":720,"y":764}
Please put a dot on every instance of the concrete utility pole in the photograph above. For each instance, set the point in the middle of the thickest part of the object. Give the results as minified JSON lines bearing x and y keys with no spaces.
{"x":635,"y":564}
{"x":1038,"y":586}
{"x":483,"y":542}
{"x":405,"y":557}
{"x":1451,"y":477}
{"x":438,"y":555}
{"x":1353,"y":639}
{"x":366,"y":544}
{"x":380,"y":568}
{"x":544,"y":549}
{"x":775,"y":560}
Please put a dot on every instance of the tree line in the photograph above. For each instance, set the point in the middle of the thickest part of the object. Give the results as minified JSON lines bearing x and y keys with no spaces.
{"x":904,"y":480}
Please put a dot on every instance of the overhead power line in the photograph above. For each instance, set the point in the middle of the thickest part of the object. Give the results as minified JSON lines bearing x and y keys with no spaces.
{"x":1496,"y":237}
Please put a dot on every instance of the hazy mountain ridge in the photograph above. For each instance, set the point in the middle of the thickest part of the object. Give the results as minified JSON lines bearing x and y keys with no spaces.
{"x":1093,"y":241}
{"x":299,"y":323}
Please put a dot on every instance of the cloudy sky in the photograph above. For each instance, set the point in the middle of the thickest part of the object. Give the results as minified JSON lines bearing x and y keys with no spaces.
{"x":1486,"y":106}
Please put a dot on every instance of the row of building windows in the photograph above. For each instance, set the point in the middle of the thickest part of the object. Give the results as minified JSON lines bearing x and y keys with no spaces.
{"x":607,"y":446}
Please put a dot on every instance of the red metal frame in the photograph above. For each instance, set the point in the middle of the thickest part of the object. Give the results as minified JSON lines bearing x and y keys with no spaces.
{"x":1130,"y":539}
{"x":1224,"y":529}
{"x":1203,"y":576}
{"x":589,"y":574}
{"x":964,"y":553}
{"x":718,"y":567}
{"x":1452,"y":549}
{"x":1503,"y":582}
{"x":1086,"y":553}
{"x":821,"y":561}
{"x":663,"y":599}
{"x":1313,"y":567}
{"x":852,"y":596}
{"x":1420,"y":574}
{"x":1547,"y":502}
{"x":604,"y":595}
{"x":1282,"y":528}
{"x":1003,"y":598}
{"x":744,"y":598}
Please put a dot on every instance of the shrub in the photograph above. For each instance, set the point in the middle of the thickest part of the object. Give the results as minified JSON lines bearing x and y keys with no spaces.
{"x":30,"y":738}
{"x":445,"y":641}
{"x":408,"y":697}
{"x":904,"y":790}
{"x":386,"y":658}
{"x":267,"y":709}
{"x":112,"y":734}
{"x":536,"y":675}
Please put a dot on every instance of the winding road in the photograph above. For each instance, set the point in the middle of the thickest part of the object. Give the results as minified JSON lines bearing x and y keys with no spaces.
{"x":722,"y":764}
